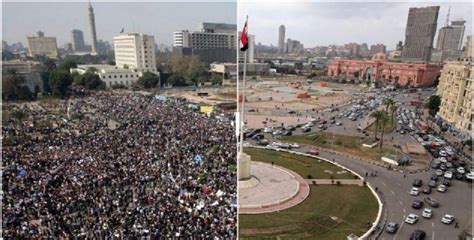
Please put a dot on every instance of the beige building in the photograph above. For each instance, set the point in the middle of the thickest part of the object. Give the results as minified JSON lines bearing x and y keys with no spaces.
{"x":456,"y":89}
{"x":41,"y":45}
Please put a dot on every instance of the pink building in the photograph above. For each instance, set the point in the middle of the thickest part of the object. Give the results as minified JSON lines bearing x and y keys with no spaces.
{"x":380,"y":69}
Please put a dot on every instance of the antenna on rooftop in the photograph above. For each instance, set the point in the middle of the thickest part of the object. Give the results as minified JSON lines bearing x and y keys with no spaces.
{"x":447,"y":17}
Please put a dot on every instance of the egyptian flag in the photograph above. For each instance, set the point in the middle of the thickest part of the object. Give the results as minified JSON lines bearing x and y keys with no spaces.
{"x":244,"y":38}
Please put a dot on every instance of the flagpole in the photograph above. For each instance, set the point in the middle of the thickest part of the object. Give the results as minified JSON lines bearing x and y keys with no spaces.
{"x":238,"y":125}
{"x":243,"y":103}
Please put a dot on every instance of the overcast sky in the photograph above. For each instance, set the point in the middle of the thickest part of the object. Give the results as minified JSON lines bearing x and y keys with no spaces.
{"x":156,"y":18}
{"x":324,"y":23}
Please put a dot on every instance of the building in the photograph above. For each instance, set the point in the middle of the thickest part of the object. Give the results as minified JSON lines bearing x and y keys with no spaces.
{"x":41,"y":45}
{"x":135,"y":50}
{"x":229,"y":70}
{"x":215,"y":42}
{"x":379,"y":70}
{"x":281,"y":39}
{"x":469,"y":52}
{"x":364,"y":50}
{"x":456,"y":89}
{"x":134,"y":55}
{"x":30,"y":71}
{"x":449,"y":44}
{"x":92,"y":26}
{"x":377,"y":48}
{"x":419,"y":33}
{"x":353,"y":49}
{"x":78,"y":44}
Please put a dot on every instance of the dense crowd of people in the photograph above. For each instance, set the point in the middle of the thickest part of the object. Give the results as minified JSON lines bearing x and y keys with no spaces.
{"x":125,"y":166}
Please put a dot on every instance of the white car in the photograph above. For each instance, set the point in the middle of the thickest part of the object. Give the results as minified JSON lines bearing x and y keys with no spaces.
{"x":461,"y":170}
{"x":443,"y":153}
{"x":415,"y":191}
{"x":427,"y":213}
{"x":294,"y":145}
{"x":443,"y":159}
{"x":447,"y":219}
{"x":448,"y":174}
{"x":339,"y":123}
{"x":439,"y":172}
{"x":268,"y":130}
{"x":411,"y":218}
{"x":441,"y":188}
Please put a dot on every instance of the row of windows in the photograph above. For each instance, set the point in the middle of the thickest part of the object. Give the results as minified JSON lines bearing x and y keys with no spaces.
{"x":120,"y":76}
{"x":111,"y":83}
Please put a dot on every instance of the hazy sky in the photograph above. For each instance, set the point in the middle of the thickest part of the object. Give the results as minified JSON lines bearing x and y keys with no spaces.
{"x":156,"y":18}
{"x":324,"y":23}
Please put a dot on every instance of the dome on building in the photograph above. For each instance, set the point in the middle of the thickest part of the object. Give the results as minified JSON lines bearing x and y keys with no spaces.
{"x":379,"y":56}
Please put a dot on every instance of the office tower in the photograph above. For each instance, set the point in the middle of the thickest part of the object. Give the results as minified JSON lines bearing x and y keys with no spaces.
{"x":281,"y":39}
{"x":78,"y":41}
{"x":41,"y":45}
{"x":92,"y":26}
{"x":135,"y":50}
{"x":377,"y":48}
{"x":420,"y":32}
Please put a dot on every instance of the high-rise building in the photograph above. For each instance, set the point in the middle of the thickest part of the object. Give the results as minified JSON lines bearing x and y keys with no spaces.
{"x":281,"y":39}
{"x":377,"y":48}
{"x":92,"y":26}
{"x":449,"y":44}
{"x":135,"y":50}
{"x":215,"y":42}
{"x":41,"y":45}
{"x":420,"y":32}
{"x":364,"y":50}
{"x":469,"y":51}
{"x":78,"y":41}
{"x":353,"y":49}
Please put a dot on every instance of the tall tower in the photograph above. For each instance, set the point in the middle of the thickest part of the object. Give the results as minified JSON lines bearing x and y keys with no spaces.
{"x":281,"y":39}
{"x":92,"y":23}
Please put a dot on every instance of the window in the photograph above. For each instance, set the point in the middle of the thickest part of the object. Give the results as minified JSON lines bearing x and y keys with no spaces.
{"x":110,"y":76}
{"x":120,"y":76}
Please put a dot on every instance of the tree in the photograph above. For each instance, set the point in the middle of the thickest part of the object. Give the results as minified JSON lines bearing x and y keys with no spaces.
{"x":67,"y":64}
{"x":89,"y":80}
{"x":216,"y":80}
{"x":383,"y":119}
{"x":388,"y":102}
{"x":148,"y":80}
{"x":189,"y":67}
{"x":13,"y":88}
{"x":377,"y":116}
{"x":433,"y":104}
{"x":59,"y":82}
{"x":177,"y":80}
{"x":393,"y":109}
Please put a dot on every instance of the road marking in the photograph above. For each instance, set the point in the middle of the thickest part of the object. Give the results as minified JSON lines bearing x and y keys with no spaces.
{"x":432,"y":236}
{"x":400,"y":203}
{"x":392,"y":192}
{"x":400,"y":228}
{"x":384,"y":184}
{"x":432,"y":224}
{"x":404,"y":210}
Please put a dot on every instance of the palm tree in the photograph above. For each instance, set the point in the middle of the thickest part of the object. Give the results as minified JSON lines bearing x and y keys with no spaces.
{"x":377,"y":116}
{"x":393,"y":109}
{"x":388,"y":102}
{"x":383,"y":119}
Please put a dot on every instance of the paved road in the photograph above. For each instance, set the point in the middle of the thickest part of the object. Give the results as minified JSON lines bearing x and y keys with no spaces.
{"x":394,"y":188}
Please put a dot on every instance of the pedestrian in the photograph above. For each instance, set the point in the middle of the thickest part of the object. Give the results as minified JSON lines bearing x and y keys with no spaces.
{"x":404,"y":175}
{"x":376,"y":189}
{"x":272,"y":163}
{"x":456,"y":225}
{"x":366,"y":174}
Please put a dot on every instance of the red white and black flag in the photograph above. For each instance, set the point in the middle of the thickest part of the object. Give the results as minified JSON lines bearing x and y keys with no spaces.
{"x":244,"y":38}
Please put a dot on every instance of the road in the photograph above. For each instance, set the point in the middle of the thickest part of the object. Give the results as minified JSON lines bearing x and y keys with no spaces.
{"x":394,"y":188}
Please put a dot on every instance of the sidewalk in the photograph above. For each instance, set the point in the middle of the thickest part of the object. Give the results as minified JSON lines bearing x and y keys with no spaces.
{"x":357,"y":182}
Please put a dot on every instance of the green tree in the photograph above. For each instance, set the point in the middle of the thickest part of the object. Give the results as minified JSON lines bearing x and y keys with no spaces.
{"x":177,"y":80}
{"x":89,"y":80}
{"x":13,"y":88}
{"x":216,"y":79}
{"x":393,"y":109}
{"x":67,"y":64}
{"x":59,"y":81}
{"x":388,"y":102}
{"x":383,"y":119}
{"x":148,"y":80}
{"x":433,"y":104}
{"x":377,"y":116}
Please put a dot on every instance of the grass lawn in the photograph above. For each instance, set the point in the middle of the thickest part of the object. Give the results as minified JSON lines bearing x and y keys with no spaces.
{"x":342,"y":143}
{"x":389,"y":126}
{"x":302,"y":165}
{"x":329,"y":212}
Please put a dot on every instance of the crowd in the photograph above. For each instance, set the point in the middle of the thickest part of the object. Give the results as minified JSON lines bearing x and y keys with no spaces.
{"x":161,"y":172}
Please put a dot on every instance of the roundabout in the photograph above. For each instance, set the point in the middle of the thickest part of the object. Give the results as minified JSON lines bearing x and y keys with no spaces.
{"x":271,"y":188}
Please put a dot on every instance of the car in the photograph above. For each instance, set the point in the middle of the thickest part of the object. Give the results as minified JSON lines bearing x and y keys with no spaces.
{"x":411,"y":218}
{"x":418,"y":235}
{"x":286,"y":133}
{"x":426,"y":190}
{"x":392,"y":227}
{"x":417,"y":204}
{"x":291,"y":112}
{"x":435,"y":165}
{"x":442,"y":166}
{"x":277,"y":132}
{"x":447,"y":182}
{"x":258,"y":136}
{"x":339,"y":123}
{"x":432,"y":202}
{"x":306,"y":129}
{"x":417,"y":183}
{"x":432,"y":183}
{"x":443,"y":159}
{"x":427,"y":213}
{"x":447,"y":219}
{"x":449,"y":165}
{"x":294,"y":145}
{"x":263,"y":142}
{"x":441,"y":188}
{"x":443,"y":153}
{"x":268,"y":130}
{"x":470,"y":177}
{"x":415,"y":191}
{"x":448,"y":174}
{"x":459,"y":176}
{"x":290,"y":128}
{"x":321,"y":126}
{"x":461,"y":170}
{"x":313,"y":151}
{"x":439,"y":172}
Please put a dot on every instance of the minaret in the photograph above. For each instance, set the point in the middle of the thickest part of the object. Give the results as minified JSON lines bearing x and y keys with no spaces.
{"x":92,"y":23}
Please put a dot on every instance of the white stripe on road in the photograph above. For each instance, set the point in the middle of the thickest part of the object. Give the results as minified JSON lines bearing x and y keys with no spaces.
{"x":400,"y":203}
{"x":404,"y":210}
{"x":432,"y":224}
{"x":392,"y":192}
{"x":399,"y":229}
{"x":432,"y":236}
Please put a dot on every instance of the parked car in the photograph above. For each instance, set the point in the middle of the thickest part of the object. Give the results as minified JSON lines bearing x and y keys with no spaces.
{"x":447,"y":219}
{"x":417,"y":183}
{"x":447,"y":182}
{"x":418,"y":235}
{"x":461,"y":170}
{"x":448,"y":174}
{"x":305,"y":129}
{"x":439,"y":172}
{"x":434,"y":177}
{"x":417,"y":204}
{"x":411,"y":218}
{"x":414,"y":191}
{"x":432,"y":183}
{"x":392,"y":227}
{"x":427,"y":213}
{"x":263,"y":142}
{"x":441,"y":188}
{"x":432,"y":202}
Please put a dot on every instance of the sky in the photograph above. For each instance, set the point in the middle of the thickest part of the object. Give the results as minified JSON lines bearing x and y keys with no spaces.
{"x":160,"y":19}
{"x":324,"y":23}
